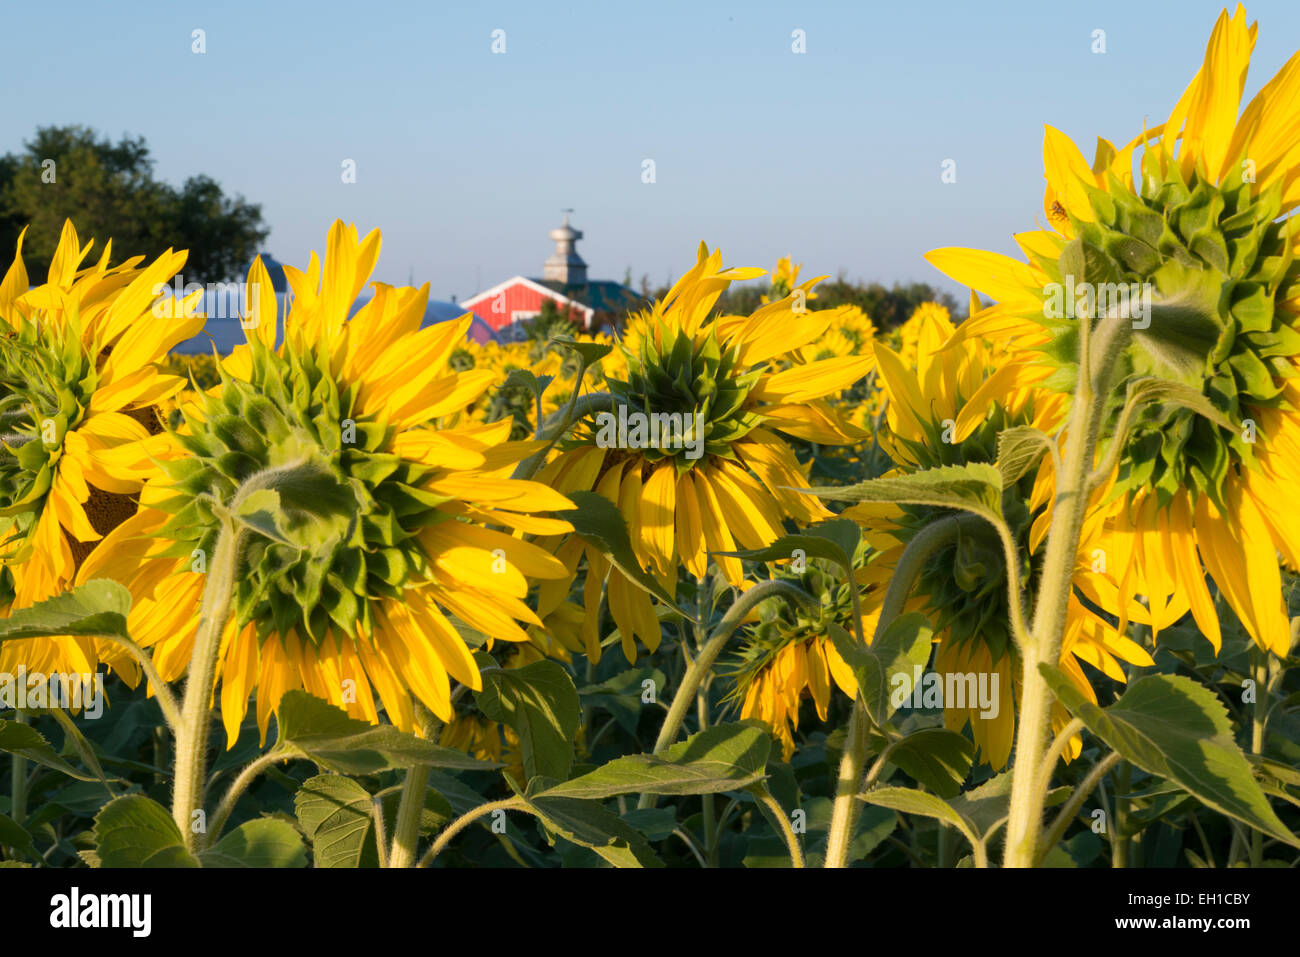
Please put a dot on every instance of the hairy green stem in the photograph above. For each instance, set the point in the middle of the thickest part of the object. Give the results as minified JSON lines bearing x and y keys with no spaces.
{"x":1097,"y":364}
{"x":1071,"y":809}
{"x":162,"y":691}
{"x":761,"y":792}
{"x":464,"y":821}
{"x":844,"y":815}
{"x":18,"y":793}
{"x":237,"y":788}
{"x":703,"y":662}
{"x":196,"y":719}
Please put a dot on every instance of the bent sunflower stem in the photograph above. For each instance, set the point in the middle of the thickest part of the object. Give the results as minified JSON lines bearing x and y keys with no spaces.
{"x":844,"y":815}
{"x":464,"y":821}
{"x":765,"y":796}
{"x":246,"y":777}
{"x":162,"y":691}
{"x":195,"y":723}
{"x":1071,"y":808}
{"x":1098,"y":359}
{"x":699,"y":669}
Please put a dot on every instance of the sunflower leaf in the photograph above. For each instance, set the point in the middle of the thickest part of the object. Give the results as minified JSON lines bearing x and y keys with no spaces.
{"x":973,"y":488}
{"x":835,"y":541}
{"x":1019,"y":449}
{"x":1170,"y":726}
{"x":334,"y":813}
{"x":938,"y":758}
{"x":97,"y":607}
{"x":589,"y":825}
{"x":540,"y":702}
{"x":27,"y":742}
{"x":901,"y":650}
{"x":725,"y":757}
{"x":261,"y":842}
{"x":136,"y":831}
{"x":1155,"y":389}
{"x":318,"y":730}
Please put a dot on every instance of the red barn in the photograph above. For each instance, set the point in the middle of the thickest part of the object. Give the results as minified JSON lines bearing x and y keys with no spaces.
{"x":592,"y":303}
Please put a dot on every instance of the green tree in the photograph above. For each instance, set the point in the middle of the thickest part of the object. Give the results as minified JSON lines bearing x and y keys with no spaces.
{"x":108,"y":190}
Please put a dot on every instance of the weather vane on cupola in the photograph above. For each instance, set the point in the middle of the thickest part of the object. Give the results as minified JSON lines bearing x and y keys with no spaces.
{"x":565,"y":265}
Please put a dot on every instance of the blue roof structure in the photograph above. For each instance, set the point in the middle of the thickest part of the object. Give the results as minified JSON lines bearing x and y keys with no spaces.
{"x":222,"y":307}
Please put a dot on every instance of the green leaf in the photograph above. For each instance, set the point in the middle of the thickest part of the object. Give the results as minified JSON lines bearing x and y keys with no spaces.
{"x":1176,"y":393}
{"x":540,"y":702}
{"x":25,"y":741}
{"x":938,"y":758}
{"x":726,"y":757}
{"x":260,"y":511}
{"x":835,"y":540}
{"x":973,"y":488}
{"x":590,"y":825}
{"x":1019,"y":449}
{"x":98,"y":607}
{"x":135,"y":831}
{"x":263,"y":842}
{"x":334,"y":812}
{"x":598,"y":521}
{"x":1174,"y":728}
{"x":903,"y":647}
{"x":15,"y":836}
{"x":589,"y":351}
{"x":318,"y":730}
{"x":911,"y":801}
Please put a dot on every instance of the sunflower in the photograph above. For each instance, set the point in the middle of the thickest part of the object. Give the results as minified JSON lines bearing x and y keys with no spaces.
{"x":358,"y":595}
{"x":946,"y":411}
{"x":80,"y":391}
{"x":785,"y":278}
{"x":730,"y":480}
{"x":1206,"y":231}
{"x":787,"y":654}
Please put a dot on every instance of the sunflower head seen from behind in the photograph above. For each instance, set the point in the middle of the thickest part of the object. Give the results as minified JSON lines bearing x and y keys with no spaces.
{"x":370,"y":537}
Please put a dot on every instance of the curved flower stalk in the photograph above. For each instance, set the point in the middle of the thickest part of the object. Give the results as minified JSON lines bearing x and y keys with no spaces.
{"x":729,"y":481}
{"x":81,"y":393}
{"x":353,"y":600}
{"x":1181,"y":280}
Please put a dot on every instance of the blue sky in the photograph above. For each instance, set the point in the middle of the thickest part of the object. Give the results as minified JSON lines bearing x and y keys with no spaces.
{"x":464,"y":157}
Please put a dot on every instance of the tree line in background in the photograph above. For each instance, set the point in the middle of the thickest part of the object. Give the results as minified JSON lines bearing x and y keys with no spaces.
{"x":109,"y":189}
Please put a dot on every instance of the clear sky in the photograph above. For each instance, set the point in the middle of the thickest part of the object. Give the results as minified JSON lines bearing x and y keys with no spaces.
{"x":464,"y":157}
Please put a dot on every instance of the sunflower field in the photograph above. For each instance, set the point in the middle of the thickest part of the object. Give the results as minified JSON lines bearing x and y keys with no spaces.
{"x":782,"y":589}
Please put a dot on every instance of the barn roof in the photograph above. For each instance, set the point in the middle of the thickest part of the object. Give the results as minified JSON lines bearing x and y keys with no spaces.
{"x":601,"y":295}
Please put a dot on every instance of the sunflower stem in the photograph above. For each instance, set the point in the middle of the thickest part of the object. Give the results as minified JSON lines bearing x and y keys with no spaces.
{"x":700,"y":668}
{"x":1258,"y":726}
{"x":196,"y":709}
{"x":406,"y":830}
{"x":765,"y":797}
{"x":18,"y":795}
{"x":844,"y":815}
{"x":1098,"y":358}
{"x":246,"y":777}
